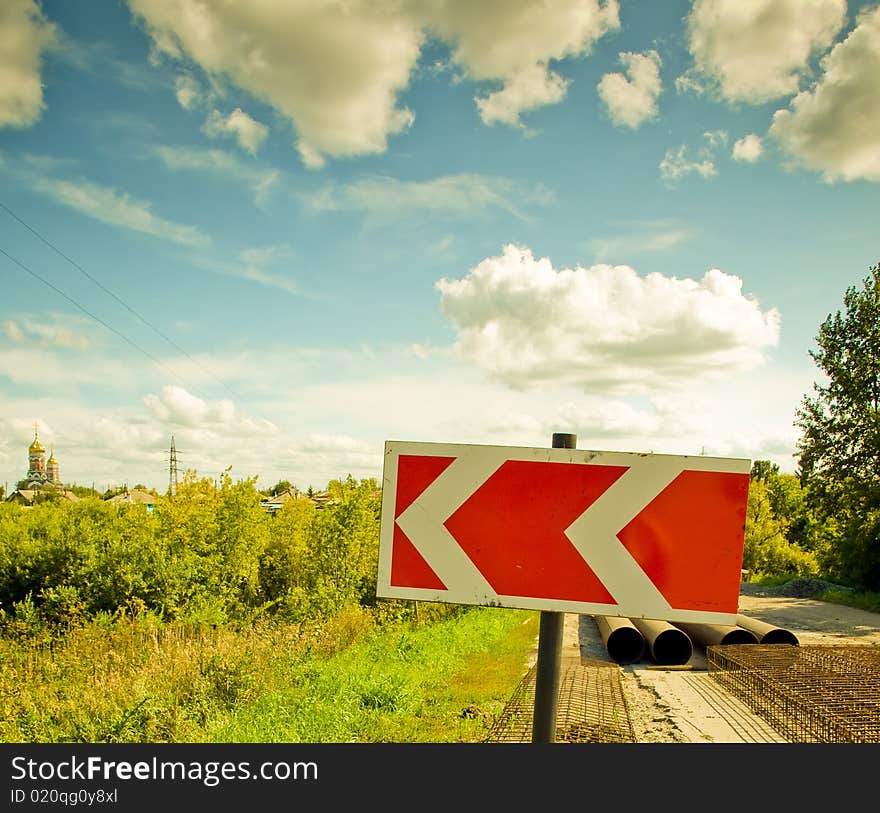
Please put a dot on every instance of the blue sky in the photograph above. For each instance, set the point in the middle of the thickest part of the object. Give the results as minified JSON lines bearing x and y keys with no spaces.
{"x":284,"y":232}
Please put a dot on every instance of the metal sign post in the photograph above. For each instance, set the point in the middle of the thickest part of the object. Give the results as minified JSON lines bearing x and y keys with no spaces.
{"x":549,"y":651}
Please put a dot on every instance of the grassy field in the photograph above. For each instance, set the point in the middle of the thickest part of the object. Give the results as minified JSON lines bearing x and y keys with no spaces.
{"x":345,"y":679}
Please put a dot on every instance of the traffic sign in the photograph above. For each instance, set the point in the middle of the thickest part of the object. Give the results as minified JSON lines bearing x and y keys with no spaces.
{"x":566,"y":530}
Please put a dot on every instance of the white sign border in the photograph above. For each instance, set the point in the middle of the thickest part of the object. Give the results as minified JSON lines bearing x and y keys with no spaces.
{"x":474,"y":464}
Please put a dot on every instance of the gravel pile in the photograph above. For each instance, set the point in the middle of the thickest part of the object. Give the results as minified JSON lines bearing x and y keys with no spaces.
{"x":796,"y":588}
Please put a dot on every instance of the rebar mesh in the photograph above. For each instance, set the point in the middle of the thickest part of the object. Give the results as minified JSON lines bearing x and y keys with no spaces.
{"x":808,"y":693}
{"x":591,"y":706}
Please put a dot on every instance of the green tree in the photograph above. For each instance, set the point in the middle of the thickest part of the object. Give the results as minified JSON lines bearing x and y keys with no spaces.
{"x":762,"y":469}
{"x":841,"y":424}
{"x":766,"y":548}
{"x":839,"y":450}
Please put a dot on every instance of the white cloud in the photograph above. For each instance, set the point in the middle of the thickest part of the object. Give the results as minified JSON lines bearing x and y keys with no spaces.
{"x":604,"y":328}
{"x":608,"y":418}
{"x":676,"y":164}
{"x":641,"y":238}
{"x":463,"y":194}
{"x":749,"y":148}
{"x":757,"y":51}
{"x":531,"y":88}
{"x":248,"y":132}
{"x":514,"y":41}
{"x":333,"y":410}
{"x":834,"y":127}
{"x":218,"y":162}
{"x":25,"y":34}
{"x":106,"y":204}
{"x":254,"y":265}
{"x":691,"y":81}
{"x":48,"y":330}
{"x":100,"y":202}
{"x":716,"y":138}
{"x":631,"y":99}
{"x":175,"y":405}
{"x":335,"y":72}
{"x":41,"y":364}
{"x":187,"y":91}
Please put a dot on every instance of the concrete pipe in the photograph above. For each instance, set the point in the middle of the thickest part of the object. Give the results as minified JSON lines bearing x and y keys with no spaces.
{"x":623,"y":642}
{"x":717,"y":634}
{"x":767,"y":633}
{"x":667,"y":645}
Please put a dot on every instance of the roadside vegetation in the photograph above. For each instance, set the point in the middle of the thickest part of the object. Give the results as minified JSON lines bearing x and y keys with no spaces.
{"x":346,"y":678}
{"x":209,"y":619}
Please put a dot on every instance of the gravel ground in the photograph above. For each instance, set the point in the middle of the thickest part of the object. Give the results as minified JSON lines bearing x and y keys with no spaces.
{"x":684,"y":704}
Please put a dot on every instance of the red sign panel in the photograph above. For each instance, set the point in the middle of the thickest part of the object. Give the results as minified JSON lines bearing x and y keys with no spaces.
{"x":600,"y":533}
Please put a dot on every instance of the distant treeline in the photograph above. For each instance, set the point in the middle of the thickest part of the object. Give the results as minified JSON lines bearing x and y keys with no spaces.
{"x":210,"y":554}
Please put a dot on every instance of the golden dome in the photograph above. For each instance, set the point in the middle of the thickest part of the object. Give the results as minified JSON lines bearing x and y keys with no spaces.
{"x":36,"y":446}
{"x":52,"y":457}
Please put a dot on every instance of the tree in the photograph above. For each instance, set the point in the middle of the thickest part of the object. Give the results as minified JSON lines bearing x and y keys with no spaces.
{"x":766,"y":547}
{"x":762,"y":469}
{"x":841,"y":425}
{"x":839,"y":450}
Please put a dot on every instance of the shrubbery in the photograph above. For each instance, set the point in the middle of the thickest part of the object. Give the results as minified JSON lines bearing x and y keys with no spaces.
{"x":209,"y":554}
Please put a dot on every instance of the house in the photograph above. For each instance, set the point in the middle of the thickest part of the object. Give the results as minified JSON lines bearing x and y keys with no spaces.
{"x":135,"y":496}
{"x":273,"y":504}
{"x":29,"y":496}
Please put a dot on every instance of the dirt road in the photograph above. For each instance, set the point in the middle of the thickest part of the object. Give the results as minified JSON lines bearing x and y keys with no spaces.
{"x":686,"y":704}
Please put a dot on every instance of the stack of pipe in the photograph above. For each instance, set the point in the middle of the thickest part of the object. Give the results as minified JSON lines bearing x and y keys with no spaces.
{"x":628,"y":639}
{"x":623,"y":642}
{"x":717,"y":634}
{"x":667,"y":645}
{"x":767,"y":633}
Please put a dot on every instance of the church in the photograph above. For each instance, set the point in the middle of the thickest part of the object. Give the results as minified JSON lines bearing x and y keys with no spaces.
{"x":43,"y":476}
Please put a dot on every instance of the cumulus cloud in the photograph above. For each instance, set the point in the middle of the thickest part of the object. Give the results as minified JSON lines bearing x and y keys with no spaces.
{"x":676,"y":164}
{"x":631,"y":97}
{"x":336,"y":71}
{"x":608,"y":418}
{"x":175,"y":405}
{"x":756,"y":52}
{"x":514,"y":41}
{"x":834,"y":127}
{"x":248,"y":132}
{"x":530,"y":88}
{"x":605,"y":328}
{"x":749,"y":148}
{"x":25,"y":35}
{"x":333,"y":71}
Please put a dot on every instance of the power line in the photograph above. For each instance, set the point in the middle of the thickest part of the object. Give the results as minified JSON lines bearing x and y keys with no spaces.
{"x":92,"y":316}
{"x":110,"y":293}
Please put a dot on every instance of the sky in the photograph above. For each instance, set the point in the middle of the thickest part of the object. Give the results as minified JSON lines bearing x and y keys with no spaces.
{"x":283,"y":232}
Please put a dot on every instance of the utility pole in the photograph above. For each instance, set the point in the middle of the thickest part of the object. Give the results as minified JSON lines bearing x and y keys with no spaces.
{"x":172,"y":469}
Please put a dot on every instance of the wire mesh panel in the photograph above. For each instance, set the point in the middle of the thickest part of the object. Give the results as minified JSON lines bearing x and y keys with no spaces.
{"x":809,"y":693}
{"x":591,"y":706}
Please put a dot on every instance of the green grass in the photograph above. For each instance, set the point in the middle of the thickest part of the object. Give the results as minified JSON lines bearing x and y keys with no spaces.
{"x":441,"y":683}
{"x":863,"y":601}
{"x":344,"y":679}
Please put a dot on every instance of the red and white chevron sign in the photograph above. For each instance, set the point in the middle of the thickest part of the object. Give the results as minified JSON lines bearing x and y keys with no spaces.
{"x":566,"y":530}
